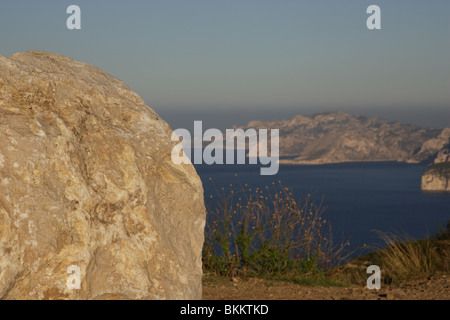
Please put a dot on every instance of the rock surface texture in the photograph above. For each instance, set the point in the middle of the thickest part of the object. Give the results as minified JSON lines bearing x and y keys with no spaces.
{"x":86,"y":179}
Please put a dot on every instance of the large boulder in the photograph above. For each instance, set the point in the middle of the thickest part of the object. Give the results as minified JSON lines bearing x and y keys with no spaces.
{"x":86,"y":180}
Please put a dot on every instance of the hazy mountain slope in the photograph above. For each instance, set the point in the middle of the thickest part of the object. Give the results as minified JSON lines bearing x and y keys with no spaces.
{"x":437,"y":148}
{"x":332,"y":137}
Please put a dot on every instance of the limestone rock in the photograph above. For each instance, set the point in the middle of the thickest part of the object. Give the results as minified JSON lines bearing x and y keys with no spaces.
{"x":333,"y":137}
{"x":437,"y":149}
{"x":443,"y":155}
{"x":437,"y":178}
{"x":86,"y":179}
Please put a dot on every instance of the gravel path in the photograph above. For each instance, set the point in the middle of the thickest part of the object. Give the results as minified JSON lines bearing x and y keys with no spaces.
{"x":436,"y":287}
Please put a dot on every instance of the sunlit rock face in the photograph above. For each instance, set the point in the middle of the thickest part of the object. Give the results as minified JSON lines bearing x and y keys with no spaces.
{"x":437,"y":177}
{"x":86,"y":180}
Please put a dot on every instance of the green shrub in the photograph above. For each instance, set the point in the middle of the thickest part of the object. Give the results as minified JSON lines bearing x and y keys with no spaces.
{"x":267,"y":233}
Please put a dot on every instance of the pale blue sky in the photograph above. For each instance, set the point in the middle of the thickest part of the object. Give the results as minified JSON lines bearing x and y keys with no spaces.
{"x":229,"y":61}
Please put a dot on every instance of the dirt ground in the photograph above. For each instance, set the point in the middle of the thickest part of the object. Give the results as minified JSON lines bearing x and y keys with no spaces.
{"x":436,"y":287}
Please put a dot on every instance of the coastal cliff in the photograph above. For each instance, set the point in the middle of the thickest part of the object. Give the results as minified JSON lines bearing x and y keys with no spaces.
{"x":335,"y":137}
{"x":437,"y":178}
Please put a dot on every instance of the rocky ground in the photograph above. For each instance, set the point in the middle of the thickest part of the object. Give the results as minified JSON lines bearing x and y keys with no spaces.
{"x":434,"y":287}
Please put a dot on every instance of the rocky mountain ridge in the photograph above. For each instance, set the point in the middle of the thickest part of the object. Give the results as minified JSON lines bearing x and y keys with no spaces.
{"x":334,"y":137}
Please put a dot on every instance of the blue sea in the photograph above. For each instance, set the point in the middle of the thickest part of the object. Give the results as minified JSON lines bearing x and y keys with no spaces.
{"x":359,"y":197}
